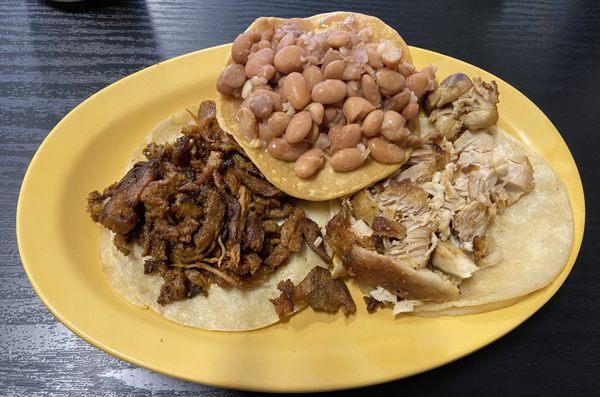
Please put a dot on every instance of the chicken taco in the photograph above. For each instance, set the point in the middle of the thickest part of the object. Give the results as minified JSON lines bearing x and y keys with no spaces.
{"x":194,"y":231}
{"x":465,"y":225}
{"x":324,"y":106}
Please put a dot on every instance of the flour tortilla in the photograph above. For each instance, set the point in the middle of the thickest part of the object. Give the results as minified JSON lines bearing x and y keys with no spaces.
{"x":223,"y":309}
{"x":535,"y":236}
{"x":327,"y":183}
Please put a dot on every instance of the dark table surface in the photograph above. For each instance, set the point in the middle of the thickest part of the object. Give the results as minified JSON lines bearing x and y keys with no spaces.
{"x":52,"y":59}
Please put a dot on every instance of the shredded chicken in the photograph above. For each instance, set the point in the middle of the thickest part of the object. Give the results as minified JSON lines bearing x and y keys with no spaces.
{"x":459,"y":103}
{"x":422,"y":231}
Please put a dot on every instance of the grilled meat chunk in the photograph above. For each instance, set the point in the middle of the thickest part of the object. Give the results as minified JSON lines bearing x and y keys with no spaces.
{"x":397,"y":274}
{"x":257,"y":185}
{"x":119,"y":214}
{"x":317,"y":289}
{"x":312,"y":236}
{"x":388,"y":228}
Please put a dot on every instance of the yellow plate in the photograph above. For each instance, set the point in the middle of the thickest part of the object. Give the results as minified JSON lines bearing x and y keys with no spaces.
{"x":58,"y":244}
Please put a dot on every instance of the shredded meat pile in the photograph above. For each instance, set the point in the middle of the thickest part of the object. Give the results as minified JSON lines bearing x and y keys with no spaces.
{"x":203,"y":214}
{"x":422,"y":231}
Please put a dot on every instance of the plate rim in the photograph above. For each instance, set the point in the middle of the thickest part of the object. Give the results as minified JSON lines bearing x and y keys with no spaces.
{"x":577,"y":242}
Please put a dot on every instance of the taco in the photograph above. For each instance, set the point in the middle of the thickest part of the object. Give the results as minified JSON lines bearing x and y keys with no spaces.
{"x":323,"y":106}
{"x":464,"y":226}
{"x":194,"y":232}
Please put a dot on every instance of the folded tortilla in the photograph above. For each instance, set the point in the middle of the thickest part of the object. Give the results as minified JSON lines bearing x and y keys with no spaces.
{"x":327,"y":183}
{"x":223,"y":309}
{"x":535,"y":236}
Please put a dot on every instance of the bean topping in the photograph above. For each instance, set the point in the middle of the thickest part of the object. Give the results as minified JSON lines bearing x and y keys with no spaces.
{"x":309,"y":162}
{"x":289,"y":59}
{"x":386,"y":152}
{"x":295,"y":89}
{"x":339,"y":95}
{"x":282,"y":150}
{"x":329,"y":91}
{"x":348,"y":159}
{"x":299,"y":127}
{"x":356,"y":108}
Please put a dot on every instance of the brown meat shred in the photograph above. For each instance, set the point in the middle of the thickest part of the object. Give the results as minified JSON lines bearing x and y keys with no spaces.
{"x":319,"y":290}
{"x":254,"y":235}
{"x":388,"y":227}
{"x":311,"y":232}
{"x":256,"y":184}
{"x":119,"y":213}
{"x":175,"y":286}
{"x":202,"y":213}
{"x":372,"y":303}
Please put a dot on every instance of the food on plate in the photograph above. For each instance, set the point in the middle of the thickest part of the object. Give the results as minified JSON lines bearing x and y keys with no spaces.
{"x":439,"y":212}
{"x":324,"y":106}
{"x":195,"y":232}
{"x":317,"y":289}
{"x":464,"y":225}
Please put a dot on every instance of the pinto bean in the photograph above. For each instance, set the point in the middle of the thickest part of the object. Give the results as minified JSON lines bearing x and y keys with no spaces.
{"x":348,"y":159}
{"x":329,"y":91}
{"x":266,"y":71}
{"x":411,"y":111}
{"x":330,"y":56}
{"x":248,"y":126}
{"x":264,"y":44}
{"x":317,"y":112}
{"x":372,"y":123}
{"x":274,"y":127}
{"x":356,"y":108}
{"x":313,"y":75}
{"x":353,"y":89}
{"x":390,"y":53}
{"x":261,"y":105}
{"x":275,"y":97}
{"x":299,"y":127}
{"x":370,"y":90}
{"x":242,"y":45}
{"x":289,"y":59}
{"x":295,"y":89}
{"x":399,"y":101}
{"x":282,"y":150}
{"x":335,"y":70}
{"x":264,"y":28}
{"x":338,"y":38}
{"x":406,"y":69}
{"x":231,"y":79}
{"x":374,"y":57}
{"x":309,"y":162}
{"x":353,"y":71}
{"x":418,"y":83}
{"x":344,"y":137}
{"x":392,"y":127}
{"x":386,"y":152}
{"x":258,"y":60}
{"x":330,"y":114}
{"x":390,"y":83}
